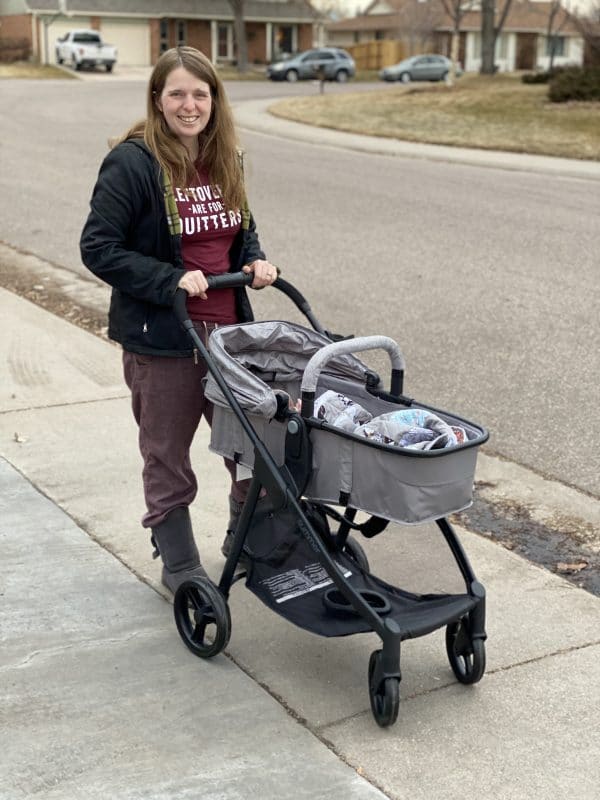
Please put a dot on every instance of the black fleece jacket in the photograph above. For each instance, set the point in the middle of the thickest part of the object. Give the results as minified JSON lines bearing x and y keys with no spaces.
{"x":126,"y":242}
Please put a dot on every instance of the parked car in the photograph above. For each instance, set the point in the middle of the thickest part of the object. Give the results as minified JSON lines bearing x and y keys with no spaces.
{"x":83,"y":48}
{"x":419,"y":68}
{"x":328,"y":63}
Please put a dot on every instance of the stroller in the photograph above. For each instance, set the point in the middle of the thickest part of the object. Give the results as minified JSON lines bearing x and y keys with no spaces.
{"x":301,"y":465}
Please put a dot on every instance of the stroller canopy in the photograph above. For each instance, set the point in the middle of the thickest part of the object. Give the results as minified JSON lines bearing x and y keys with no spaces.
{"x":253,"y":355}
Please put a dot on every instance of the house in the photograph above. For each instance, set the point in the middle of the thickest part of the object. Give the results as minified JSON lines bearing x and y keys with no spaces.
{"x":142,"y":29}
{"x":423,"y":26}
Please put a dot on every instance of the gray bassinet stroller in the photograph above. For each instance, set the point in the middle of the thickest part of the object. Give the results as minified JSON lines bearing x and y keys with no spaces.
{"x":301,"y":464}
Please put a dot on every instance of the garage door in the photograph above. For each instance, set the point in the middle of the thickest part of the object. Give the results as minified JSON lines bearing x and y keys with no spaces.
{"x":58,"y":28}
{"x":131,"y":37}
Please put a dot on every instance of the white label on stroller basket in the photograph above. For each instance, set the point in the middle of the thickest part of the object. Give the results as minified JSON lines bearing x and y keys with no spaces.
{"x":242,"y":473}
{"x":296,"y":582}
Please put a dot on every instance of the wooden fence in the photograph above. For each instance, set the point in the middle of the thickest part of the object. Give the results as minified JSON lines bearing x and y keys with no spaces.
{"x":378,"y":54}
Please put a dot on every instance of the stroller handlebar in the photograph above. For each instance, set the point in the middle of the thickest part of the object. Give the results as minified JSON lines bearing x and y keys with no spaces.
{"x":226,"y":281}
{"x":229,"y":280}
{"x":348,"y":346}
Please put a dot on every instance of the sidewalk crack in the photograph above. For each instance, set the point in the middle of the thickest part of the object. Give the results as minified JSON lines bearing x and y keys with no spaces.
{"x":88,"y":644}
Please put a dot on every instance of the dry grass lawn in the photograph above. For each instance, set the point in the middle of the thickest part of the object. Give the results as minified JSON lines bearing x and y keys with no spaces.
{"x":497,"y":113}
{"x":24,"y":69}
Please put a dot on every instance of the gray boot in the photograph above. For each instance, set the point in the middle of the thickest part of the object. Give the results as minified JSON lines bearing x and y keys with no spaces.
{"x":174,"y":542}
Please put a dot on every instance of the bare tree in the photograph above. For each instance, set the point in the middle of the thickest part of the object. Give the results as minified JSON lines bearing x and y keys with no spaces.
{"x":588,"y":25}
{"x":417,"y":22}
{"x":492,"y":22}
{"x":239,"y":27}
{"x":335,"y":9}
{"x":556,"y":23}
{"x":456,"y":10}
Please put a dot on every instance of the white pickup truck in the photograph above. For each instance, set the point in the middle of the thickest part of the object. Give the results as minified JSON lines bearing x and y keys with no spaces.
{"x":85,"y":48}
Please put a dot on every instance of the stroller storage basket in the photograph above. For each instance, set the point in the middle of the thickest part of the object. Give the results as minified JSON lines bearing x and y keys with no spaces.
{"x":287,"y":577}
{"x":260,"y":361}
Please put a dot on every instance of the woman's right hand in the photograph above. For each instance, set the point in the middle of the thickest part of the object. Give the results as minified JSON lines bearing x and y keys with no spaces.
{"x":194,"y":283}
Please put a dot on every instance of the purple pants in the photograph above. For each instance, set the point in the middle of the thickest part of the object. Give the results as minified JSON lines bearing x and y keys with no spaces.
{"x":168,"y":402}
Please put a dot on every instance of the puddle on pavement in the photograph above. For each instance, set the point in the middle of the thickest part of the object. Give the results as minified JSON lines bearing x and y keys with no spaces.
{"x":561,"y":549}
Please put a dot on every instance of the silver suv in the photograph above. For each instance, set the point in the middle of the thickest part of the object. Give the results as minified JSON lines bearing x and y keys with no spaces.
{"x":325,"y":63}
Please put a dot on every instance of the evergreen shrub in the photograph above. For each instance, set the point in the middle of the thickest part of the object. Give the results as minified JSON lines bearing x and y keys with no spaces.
{"x":575,"y":83}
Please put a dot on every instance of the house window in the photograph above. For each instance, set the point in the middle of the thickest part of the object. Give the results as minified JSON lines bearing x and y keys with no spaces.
{"x":181,"y":32}
{"x":224,"y":41}
{"x":379,"y":35}
{"x":557,"y":44}
{"x":502,"y":46}
{"x":164,"y":35}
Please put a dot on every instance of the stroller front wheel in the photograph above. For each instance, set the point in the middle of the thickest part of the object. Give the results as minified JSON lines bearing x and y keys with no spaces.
{"x":202,"y":617}
{"x":385,"y":697}
{"x":466,"y":655}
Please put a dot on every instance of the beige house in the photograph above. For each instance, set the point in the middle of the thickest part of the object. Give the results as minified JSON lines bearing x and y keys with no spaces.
{"x":419,"y":26}
{"x":142,"y":29}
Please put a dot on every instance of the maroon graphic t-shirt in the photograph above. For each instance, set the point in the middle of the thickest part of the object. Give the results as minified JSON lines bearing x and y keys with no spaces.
{"x":208,"y":233}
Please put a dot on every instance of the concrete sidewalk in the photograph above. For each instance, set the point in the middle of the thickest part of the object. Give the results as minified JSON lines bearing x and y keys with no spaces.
{"x":101,"y":699}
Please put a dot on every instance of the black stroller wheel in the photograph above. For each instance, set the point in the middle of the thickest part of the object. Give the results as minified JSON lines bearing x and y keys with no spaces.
{"x":355,"y":551}
{"x":385,"y":698}
{"x":202,"y":617}
{"x":466,"y":655}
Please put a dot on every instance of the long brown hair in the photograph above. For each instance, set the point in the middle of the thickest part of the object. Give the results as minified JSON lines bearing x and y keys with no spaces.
{"x":219,"y":153}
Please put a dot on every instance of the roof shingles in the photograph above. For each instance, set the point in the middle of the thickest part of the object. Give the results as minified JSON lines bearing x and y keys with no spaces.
{"x":183,"y":9}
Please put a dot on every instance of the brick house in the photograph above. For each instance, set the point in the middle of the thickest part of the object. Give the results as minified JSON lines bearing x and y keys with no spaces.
{"x":142,"y":29}
{"x":419,"y":26}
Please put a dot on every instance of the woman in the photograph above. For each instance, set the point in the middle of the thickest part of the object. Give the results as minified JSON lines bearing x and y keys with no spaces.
{"x":168,"y":209}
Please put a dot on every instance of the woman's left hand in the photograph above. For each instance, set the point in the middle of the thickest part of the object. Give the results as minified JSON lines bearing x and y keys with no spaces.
{"x":264,"y":273}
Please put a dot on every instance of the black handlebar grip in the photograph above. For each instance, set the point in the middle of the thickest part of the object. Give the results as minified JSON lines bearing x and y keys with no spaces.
{"x":229,"y":279}
{"x":225,"y":281}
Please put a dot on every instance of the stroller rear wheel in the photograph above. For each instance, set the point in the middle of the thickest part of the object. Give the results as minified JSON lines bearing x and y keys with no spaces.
{"x":466,"y":655}
{"x":202,"y":617}
{"x":385,"y":697}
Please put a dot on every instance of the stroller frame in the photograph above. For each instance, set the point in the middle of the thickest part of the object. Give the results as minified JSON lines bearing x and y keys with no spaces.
{"x":200,"y":605}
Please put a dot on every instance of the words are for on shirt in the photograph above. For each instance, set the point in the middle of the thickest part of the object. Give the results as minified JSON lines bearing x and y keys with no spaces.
{"x":208,"y":231}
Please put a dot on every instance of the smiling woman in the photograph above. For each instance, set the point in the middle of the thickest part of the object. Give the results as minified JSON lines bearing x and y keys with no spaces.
{"x":186,"y":104}
{"x":169,"y":210}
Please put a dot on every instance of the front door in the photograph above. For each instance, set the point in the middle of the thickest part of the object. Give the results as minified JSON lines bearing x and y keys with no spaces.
{"x":526,"y":44}
{"x":284,"y":40}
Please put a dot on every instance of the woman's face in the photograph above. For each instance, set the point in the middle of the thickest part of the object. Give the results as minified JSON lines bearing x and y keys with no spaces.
{"x":186,"y":104}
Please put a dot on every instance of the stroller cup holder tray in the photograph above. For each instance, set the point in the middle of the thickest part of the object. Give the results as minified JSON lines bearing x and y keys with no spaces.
{"x":335,"y":602}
